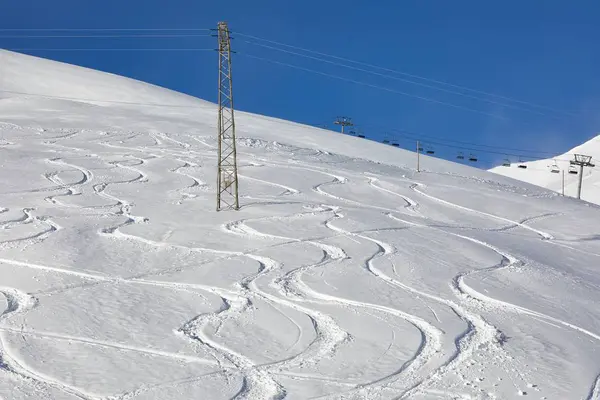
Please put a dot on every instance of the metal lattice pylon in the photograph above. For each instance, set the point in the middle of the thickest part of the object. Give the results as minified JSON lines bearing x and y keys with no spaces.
{"x":227,"y":179}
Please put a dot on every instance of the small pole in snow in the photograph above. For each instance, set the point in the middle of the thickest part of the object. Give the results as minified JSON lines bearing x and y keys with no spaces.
{"x":582,"y":161}
{"x":343,"y":122}
{"x":563,"y":182}
{"x":418,"y":158}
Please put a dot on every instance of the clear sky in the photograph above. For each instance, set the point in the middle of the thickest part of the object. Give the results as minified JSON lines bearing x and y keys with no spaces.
{"x":545,"y":53}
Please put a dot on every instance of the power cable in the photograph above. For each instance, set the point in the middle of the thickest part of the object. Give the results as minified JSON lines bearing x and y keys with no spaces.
{"x":108,"y":49}
{"x":465,"y":88}
{"x":102,"y":29}
{"x":400,"y":79}
{"x":101,"y":36}
{"x":374,"y":86}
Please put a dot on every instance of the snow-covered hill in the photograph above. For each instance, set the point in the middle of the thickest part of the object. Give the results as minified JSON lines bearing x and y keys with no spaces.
{"x":345,"y":275}
{"x":548,"y":173}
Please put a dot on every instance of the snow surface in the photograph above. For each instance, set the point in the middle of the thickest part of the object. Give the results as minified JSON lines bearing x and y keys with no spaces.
{"x":345,"y":275}
{"x":539,"y":172}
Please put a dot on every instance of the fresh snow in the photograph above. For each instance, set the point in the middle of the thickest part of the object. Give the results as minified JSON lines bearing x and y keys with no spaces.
{"x":345,"y":275}
{"x":539,"y":172}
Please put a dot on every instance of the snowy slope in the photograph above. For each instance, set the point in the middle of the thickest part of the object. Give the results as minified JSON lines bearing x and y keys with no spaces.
{"x":345,"y":275}
{"x":539,"y":172}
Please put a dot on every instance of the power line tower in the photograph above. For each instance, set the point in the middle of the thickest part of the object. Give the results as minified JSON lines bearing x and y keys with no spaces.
{"x":343,"y":121}
{"x":227,"y":179}
{"x":582,"y":161}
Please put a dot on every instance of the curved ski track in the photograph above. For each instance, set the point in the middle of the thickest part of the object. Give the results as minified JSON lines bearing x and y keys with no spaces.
{"x":259,"y":381}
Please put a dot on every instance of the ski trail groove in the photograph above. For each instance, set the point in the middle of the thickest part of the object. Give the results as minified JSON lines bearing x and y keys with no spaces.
{"x":544,"y":235}
{"x":410,"y":203}
{"x":479,"y":333}
{"x":594,"y":393}
{"x":481,"y":301}
{"x":196,"y":183}
{"x":20,"y":303}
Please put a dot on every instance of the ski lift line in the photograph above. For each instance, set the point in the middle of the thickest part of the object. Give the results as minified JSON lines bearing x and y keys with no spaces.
{"x":421,"y":135}
{"x":476,"y":150}
{"x":465,"y":88}
{"x":102,"y":36}
{"x":402,"y":79}
{"x":521,"y":164}
{"x":428,"y":99}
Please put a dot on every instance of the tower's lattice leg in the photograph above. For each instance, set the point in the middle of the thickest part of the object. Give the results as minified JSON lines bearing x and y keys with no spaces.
{"x":227,"y":179}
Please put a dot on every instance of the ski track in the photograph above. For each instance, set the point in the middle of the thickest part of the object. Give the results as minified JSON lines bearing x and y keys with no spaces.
{"x":544,"y":235}
{"x":196,"y":183}
{"x":29,"y":218}
{"x":479,"y":333}
{"x":20,"y":303}
{"x":594,"y":393}
{"x":73,"y":189}
{"x":485,"y":303}
{"x":258,"y":380}
{"x":287,"y":189}
{"x":411,"y":204}
{"x":292,"y":285}
{"x":328,"y":334}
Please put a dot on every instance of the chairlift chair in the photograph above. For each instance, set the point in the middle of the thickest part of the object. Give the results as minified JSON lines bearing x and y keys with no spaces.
{"x":396,"y":144}
{"x":360,"y":135}
{"x":429,"y":151}
{"x":573,"y":170}
{"x":460,"y":156}
{"x":522,"y":164}
{"x":386,"y":141}
{"x":472,"y":158}
{"x":554,"y":169}
{"x":506,"y":162}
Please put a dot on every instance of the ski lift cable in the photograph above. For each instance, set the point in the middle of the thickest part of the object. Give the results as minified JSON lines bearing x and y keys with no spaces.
{"x":522,"y":154}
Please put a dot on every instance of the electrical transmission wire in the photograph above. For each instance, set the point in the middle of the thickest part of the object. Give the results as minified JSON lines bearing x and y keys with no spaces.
{"x":102,"y":29}
{"x":109,"y":49}
{"x":428,"y":99}
{"x":177,"y":35}
{"x":414,"y":76}
{"x":388,"y":76}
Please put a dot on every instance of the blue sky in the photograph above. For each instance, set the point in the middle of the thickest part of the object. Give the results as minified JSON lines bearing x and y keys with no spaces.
{"x":540,"y":52}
